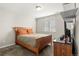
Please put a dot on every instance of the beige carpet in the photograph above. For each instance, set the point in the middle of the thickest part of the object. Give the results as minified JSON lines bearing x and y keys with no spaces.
{"x":17,"y":50}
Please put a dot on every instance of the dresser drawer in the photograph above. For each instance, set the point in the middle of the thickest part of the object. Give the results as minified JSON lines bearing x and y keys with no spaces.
{"x":61,"y":49}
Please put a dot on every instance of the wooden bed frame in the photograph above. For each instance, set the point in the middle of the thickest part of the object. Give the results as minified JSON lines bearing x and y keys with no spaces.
{"x":40,"y":43}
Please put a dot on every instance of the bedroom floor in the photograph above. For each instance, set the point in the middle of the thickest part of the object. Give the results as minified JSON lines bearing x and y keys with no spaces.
{"x":17,"y":50}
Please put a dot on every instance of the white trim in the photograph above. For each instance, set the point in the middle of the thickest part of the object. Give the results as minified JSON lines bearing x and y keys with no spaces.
{"x":7,"y":45}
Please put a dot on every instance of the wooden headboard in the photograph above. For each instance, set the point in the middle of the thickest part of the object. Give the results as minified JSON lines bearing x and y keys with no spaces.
{"x":16,"y":28}
{"x":28,"y":29}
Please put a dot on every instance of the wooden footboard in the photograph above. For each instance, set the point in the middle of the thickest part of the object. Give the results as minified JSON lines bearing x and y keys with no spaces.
{"x":40,"y":44}
{"x":27,"y":46}
{"x":43,"y":41}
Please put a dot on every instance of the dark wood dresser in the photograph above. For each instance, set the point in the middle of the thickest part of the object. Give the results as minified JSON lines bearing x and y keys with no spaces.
{"x":62,"y":49}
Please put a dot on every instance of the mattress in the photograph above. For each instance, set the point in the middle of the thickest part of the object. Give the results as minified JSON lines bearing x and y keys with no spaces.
{"x":30,"y":38}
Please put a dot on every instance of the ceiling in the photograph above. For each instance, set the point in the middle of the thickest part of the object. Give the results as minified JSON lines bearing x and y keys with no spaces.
{"x":29,"y":8}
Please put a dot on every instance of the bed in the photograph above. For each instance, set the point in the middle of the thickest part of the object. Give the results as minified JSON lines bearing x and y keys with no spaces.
{"x":33,"y":41}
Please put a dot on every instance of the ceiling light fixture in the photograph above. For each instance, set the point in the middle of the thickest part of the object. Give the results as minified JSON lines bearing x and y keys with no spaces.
{"x":38,"y":8}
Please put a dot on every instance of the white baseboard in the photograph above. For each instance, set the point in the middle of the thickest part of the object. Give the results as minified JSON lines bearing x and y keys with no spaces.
{"x":7,"y":45}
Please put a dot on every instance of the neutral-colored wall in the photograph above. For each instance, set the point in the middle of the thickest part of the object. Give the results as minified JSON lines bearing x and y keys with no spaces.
{"x":12,"y":15}
{"x":6,"y":32}
{"x":25,"y":21}
{"x":77,"y":31}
